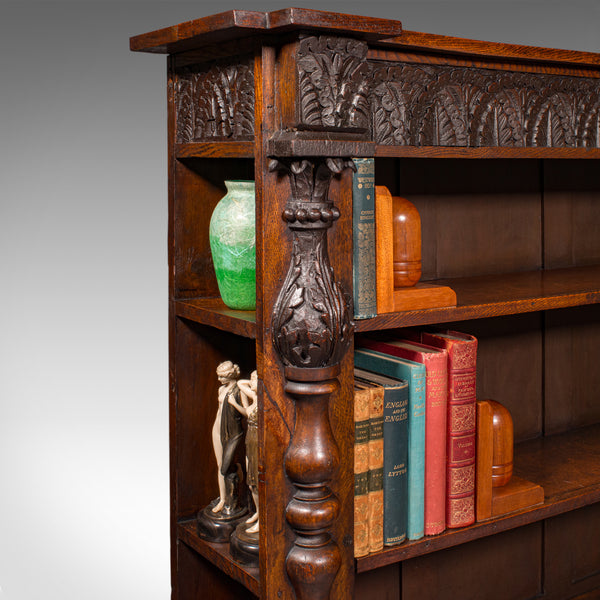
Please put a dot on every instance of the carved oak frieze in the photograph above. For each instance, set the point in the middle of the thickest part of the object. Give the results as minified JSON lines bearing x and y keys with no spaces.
{"x":333,"y":83}
{"x":215,"y":101}
{"x":439,"y":105}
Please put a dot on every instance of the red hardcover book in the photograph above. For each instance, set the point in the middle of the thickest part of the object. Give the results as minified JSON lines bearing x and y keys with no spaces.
{"x":462,"y":420}
{"x":436,"y":400}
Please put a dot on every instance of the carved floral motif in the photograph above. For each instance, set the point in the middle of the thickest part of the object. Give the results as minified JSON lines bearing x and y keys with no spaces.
{"x":333,"y":83}
{"x":215,"y":102}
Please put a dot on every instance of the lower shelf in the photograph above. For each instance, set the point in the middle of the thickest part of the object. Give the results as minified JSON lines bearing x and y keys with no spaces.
{"x":566,"y":465}
{"x":219,"y":555}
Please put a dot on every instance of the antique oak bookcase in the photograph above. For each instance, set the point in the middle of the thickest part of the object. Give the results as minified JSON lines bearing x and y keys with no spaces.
{"x":497,"y":146}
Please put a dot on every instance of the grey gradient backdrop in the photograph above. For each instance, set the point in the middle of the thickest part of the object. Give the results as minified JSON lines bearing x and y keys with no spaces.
{"x":83,"y":277}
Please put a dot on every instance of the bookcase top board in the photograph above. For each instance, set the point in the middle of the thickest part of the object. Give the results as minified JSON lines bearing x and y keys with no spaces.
{"x":238,"y":24}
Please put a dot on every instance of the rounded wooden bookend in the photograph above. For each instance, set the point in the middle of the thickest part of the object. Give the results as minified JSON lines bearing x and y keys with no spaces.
{"x":502,"y":461}
{"x":407,"y":243}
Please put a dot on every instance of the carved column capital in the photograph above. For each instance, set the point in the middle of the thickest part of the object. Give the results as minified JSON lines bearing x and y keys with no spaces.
{"x":311,"y":320}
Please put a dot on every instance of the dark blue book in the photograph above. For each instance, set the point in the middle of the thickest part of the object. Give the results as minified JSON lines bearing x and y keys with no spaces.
{"x":395,"y":454}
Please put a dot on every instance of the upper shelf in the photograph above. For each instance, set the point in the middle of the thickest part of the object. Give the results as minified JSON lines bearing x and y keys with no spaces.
{"x":478,"y":298}
{"x":496,"y":295}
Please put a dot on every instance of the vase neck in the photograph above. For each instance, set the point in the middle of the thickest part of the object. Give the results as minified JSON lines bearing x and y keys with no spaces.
{"x":240,"y":186}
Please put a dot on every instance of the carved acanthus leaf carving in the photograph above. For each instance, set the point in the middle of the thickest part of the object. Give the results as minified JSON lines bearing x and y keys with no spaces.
{"x":439,"y":105}
{"x":333,"y":82}
{"x":215,"y":101}
{"x":311,"y":319}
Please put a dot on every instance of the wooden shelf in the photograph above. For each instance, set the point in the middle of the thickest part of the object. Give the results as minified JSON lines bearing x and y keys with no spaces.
{"x":238,"y":149}
{"x":566,"y":465}
{"x":496,"y":295}
{"x":478,"y":298}
{"x":219,"y":555}
{"x":212,"y":311}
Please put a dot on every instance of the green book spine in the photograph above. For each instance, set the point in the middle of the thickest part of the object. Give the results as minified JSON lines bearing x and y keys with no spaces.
{"x":363,"y":238}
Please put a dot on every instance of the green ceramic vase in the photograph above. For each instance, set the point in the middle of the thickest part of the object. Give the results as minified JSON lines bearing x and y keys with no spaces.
{"x":232,"y":236}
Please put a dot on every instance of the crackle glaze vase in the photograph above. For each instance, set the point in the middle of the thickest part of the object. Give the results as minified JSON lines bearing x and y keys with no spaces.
{"x":232,"y":236}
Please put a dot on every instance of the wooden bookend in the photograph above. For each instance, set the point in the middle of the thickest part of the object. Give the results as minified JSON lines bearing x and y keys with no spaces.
{"x":497,"y":492}
{"x":390,"y":299}
{"x":484,"y":461}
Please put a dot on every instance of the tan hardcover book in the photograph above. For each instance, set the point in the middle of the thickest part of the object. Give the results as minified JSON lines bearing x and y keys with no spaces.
{"x":375,"y":515}
{"x":362,"y":399}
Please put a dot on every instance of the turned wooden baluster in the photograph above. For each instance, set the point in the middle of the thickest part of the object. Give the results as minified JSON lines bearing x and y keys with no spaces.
{"x":311,"y":328}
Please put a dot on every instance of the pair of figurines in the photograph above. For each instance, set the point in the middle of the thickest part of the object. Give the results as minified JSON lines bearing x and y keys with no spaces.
{"x":226,"y":518}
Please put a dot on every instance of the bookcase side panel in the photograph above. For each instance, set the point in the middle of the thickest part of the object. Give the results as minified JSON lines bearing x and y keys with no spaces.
{"x":198,"y":352}
{"x":197,"y":578}
{"x":199,"y":185}
{"x":276,"y":411}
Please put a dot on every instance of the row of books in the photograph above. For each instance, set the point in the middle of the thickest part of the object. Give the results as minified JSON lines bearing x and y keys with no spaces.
{"x":415,"y":437}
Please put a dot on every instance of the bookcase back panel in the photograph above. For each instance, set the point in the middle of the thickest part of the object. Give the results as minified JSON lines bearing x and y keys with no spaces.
{"x":505,"y":566}
{"x":571,"y":213}
{"x":199,"y":184}
{"x":510,"y":367}
{"x":572,"y":556}
{"x":572,"y":376}
{"x":196,"y":394}
{"x":379,"y":584}
{"x":477,"y":217}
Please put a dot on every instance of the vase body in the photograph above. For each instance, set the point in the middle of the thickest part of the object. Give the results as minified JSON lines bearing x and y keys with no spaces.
{"x":232,"y":236}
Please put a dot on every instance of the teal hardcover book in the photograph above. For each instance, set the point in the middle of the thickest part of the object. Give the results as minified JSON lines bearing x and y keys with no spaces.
{"x":363,"y":238}
{"x":395,"y":454}
{"x":414,"y":374}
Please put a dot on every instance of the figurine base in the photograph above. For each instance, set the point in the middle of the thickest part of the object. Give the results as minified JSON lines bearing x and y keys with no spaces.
{"x":244,"y":545}
{"x":218,"y":527}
